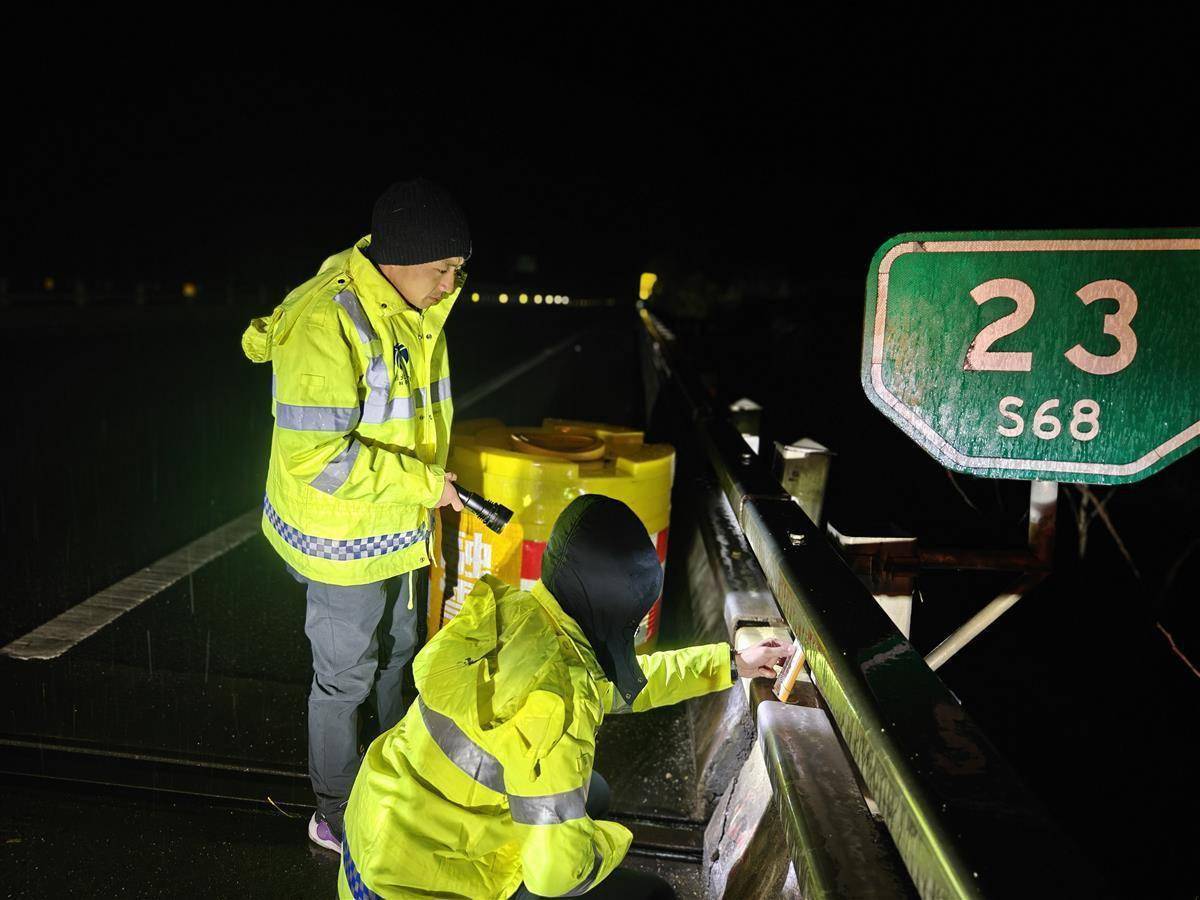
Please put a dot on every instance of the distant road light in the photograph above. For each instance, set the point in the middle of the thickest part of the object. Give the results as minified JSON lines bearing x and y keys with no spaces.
{"x":524,"y":298}
{"x":504,"y":298}
{"x":649,"y":279}
{"x":537,"y":298}
{"x":189,"y":289}
{"x":475,"y":297}
{"x":47,"y":283}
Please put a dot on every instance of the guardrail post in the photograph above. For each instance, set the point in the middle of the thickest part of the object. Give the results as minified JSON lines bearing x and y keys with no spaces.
{"x":746,"y":416}
{"x":803,"y":469}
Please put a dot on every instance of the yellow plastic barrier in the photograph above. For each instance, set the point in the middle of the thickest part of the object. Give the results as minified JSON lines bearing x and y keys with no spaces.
{"x":536,"y":472}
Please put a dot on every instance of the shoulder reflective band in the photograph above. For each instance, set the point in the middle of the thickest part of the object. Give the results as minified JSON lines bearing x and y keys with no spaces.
{"x":376,"y":408}
{"x":334,"y":475}
{"x":348,"y":301}
{"x":591,"y":879}
{"x":547,"y":809}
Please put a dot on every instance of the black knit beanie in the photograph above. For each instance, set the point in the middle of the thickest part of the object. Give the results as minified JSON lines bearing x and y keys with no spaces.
{"x":417,"y":222}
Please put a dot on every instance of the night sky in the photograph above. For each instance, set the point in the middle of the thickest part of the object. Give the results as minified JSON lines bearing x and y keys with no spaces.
{"x":254,"y":178}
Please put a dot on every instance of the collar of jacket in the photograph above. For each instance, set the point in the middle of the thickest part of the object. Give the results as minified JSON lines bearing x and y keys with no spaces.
{"x":374,"y":289}
{"x":569,"y":628}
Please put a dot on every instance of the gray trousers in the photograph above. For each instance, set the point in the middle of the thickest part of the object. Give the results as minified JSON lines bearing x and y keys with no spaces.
{"x":362,"y":637}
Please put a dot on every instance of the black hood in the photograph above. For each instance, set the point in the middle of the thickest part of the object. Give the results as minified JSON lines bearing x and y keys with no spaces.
{"x":602,"y":569}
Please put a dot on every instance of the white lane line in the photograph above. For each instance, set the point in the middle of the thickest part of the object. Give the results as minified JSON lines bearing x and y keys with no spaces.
{"x":63,"y":632}
{"x":81,"y":621}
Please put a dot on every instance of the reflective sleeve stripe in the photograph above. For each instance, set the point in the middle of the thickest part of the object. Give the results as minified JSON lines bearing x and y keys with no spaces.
{"x":334,"y":475}
{"x":440,"y":389}
{"x":462,"y":751}
{"x":591,"y":879}
{"x":548,"y":809}
{"x":315,"y":418}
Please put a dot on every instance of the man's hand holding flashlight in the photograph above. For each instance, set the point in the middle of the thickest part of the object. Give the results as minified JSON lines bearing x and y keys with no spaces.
{"x":759,"y":660}
{"x":449,"y":494}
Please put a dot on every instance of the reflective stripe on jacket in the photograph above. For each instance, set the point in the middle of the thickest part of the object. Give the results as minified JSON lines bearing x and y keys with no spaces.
{"x":362,"y":405}
{"x":482,"y":785}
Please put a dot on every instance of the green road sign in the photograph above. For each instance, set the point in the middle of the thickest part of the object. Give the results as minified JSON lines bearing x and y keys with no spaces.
{"x":1057,"y":355}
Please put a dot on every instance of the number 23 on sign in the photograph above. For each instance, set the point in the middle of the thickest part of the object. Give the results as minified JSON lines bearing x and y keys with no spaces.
{"x":1085,"y":412}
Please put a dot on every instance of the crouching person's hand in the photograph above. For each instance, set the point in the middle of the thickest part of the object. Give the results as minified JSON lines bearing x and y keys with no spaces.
{"x":759,"y":660}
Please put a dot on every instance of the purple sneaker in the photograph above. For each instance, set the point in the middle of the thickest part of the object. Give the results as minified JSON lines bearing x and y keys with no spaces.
{"x":322,"y":835}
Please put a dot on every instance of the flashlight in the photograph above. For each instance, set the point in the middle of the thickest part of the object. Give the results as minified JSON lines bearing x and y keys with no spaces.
{"x":494,"y":515}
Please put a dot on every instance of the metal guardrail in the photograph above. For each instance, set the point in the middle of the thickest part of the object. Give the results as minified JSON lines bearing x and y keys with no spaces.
{"x":960,"y":818}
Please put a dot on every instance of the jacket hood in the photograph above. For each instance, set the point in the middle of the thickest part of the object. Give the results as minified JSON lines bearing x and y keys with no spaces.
{"x":601,"y":567}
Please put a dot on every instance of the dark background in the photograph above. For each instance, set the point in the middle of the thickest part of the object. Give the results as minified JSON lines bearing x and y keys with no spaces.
{"x":253,"y":178}
{"x":759,"y":190}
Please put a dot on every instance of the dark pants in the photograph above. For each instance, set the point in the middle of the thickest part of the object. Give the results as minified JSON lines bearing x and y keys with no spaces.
{"x":362,"y":637}
{"x":621,"y":884}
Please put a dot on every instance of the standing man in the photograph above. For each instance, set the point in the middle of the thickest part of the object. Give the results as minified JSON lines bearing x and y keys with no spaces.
{"x":361,"y":399}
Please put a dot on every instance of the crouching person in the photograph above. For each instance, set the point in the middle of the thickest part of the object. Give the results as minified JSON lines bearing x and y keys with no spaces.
{"x":482,"y":790}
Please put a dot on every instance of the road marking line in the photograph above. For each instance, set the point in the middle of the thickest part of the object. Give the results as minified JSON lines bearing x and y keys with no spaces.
{"x":472,"y":397}
{"x":64,"y":631}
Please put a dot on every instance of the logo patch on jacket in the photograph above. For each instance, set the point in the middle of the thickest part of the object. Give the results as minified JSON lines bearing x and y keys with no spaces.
{"x":400,"y":359}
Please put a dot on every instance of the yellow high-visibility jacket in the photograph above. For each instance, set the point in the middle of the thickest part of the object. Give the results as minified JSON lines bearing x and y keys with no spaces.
{"x":482,"y":784}
{"x":362,"y":406}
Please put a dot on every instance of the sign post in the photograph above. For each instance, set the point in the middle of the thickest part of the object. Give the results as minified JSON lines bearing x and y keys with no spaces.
{"x":1055,"y":355}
